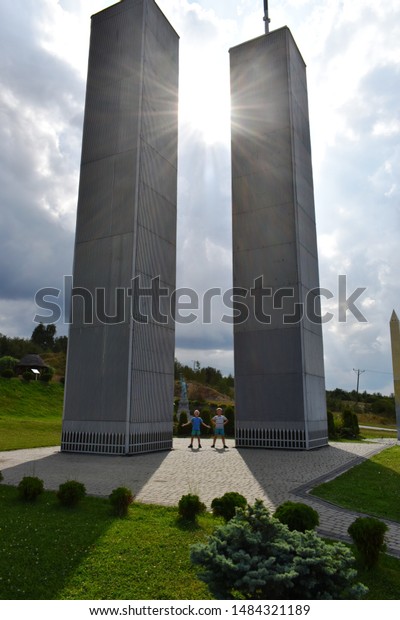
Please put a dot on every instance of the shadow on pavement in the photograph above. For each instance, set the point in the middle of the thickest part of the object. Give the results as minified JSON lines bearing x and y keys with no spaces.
{"x":99,"y":473}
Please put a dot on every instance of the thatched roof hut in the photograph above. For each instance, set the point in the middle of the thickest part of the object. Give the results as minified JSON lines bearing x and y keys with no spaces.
{"x":30,"y":362}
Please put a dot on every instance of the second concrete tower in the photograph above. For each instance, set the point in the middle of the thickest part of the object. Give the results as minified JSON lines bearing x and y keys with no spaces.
{"x":279,"y":368}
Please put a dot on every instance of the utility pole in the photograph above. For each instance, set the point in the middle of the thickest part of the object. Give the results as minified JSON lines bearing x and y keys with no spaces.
{"x":358,"y":373}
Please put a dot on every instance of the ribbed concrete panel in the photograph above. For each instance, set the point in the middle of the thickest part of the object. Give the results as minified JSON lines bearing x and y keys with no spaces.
{"x":95,"y":200}
{"x":267,"y":309}
{"x":256,"y":187}
{"x":153,"y":305}
{"x":265,"y":227}
{"x":122,"y":220}
{"x":269,"y":352}
{"x":279,"y":373}
{"x":156,"y":256}
{"x":162,"y":182}
{"x":120,"y":373}
{"x":309,"y":267}
{"x":306,"y":230}
{"x":150,"y":398}
{"x":105,"y":197}
{"x":276,"y":262}
{"x":94,"y":382}
{"x":265,"y":394}
{"x":100,"y":270}
{"x":152,"y":348}
{"x":157,"y":214}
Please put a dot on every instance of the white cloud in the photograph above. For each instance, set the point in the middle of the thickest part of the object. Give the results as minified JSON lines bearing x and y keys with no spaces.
{"x":352,"y":51}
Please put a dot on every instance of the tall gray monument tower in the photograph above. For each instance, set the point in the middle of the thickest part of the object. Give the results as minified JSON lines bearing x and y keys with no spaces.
{"x":120,"y":371}
{"x":395,"y":340}
{"x":279,"y":368}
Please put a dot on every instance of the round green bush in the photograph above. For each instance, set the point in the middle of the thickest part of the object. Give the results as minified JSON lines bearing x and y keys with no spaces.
{"x":27,"y":375}
{"x":120,"y":500}
{"x":190,"y":506}
{"x":368,"y":535}
{"x":254,"y":556}
{"x":7,"y":362}
{"x":30,"y":488}
{"x":226,"y":505}
{"x":70,"y":493}
{"x":297,"y":516}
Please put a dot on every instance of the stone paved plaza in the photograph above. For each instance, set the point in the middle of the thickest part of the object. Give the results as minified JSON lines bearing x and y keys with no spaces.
{"x":163,"y":477}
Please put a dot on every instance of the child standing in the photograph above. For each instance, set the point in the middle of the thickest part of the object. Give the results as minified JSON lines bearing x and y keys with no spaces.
{"x":196,"y":423}
{"x":219,"y":422}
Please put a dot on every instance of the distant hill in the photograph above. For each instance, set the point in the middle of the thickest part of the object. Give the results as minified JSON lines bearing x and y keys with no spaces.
{"x":200,"y":392}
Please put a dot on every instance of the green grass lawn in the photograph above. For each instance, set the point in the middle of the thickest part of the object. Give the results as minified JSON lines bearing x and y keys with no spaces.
{"x":370,"y":433}
{"x":372,"y":487}
{"x":50,"y":552}
{"x":30,"y":414}
{"x":383,"y":581}
{"x":47,"y":552}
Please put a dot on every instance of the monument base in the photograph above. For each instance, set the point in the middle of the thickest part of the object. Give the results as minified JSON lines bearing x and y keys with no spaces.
{"x":86,"y":438}
{"x":280,"y":438}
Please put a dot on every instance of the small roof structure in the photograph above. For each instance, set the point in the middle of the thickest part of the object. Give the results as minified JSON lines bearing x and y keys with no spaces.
{"x":30,"y":362}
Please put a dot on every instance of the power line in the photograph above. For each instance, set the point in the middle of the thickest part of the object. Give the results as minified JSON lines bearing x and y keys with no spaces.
{"x":379,"y":372}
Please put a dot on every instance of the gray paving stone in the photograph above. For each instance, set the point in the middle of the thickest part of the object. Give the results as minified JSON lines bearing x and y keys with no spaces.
{"x":163,"y":477}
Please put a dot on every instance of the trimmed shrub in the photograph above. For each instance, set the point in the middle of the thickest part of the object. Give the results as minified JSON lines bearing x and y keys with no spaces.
{"x":183,"y":418}
{"x":27,"y":375}
{"x":384,"y":406}
{"x":7,"y":373}
{"x":368,"y":535}
{"x":205,"y":415}
{"x":70,"y":493}
{"x":331,"y":425}
{"x":7,"y":362}
{"x":254,"y":556}
{"x":230,"y":425}
{"x":226,"y":505}
{"x":120,"y":499}
{"x":349,"y":428}
{"x":297,"y":516}
{"x":190,"y":506}
{"x":30,"y":488}
{"x":46,"y":377}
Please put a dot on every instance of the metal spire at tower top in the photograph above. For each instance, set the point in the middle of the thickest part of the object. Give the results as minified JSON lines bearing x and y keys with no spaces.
{"x":266,"y":18}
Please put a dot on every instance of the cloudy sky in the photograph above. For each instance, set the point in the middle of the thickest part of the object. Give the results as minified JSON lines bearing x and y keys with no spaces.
{"x":352,"y":52}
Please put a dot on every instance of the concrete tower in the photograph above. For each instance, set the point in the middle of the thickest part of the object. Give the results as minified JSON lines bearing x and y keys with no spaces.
{"x":395,"y":339}
{"x":279,"y":369}
{"x":120,"y":370}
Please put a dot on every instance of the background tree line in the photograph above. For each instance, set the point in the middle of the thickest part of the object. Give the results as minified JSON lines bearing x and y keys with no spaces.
{"x":207,"y":376}
{"x":43,"y":340}
{"x":339,"y":400}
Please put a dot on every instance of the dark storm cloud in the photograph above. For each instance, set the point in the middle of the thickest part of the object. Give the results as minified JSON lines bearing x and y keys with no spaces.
{"x":41,"y":100}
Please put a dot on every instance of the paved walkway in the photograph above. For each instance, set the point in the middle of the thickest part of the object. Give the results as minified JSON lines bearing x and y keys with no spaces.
{"x":163,"y":477}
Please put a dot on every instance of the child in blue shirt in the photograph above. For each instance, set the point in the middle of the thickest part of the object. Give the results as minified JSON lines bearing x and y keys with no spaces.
{"x":196,"y":423}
